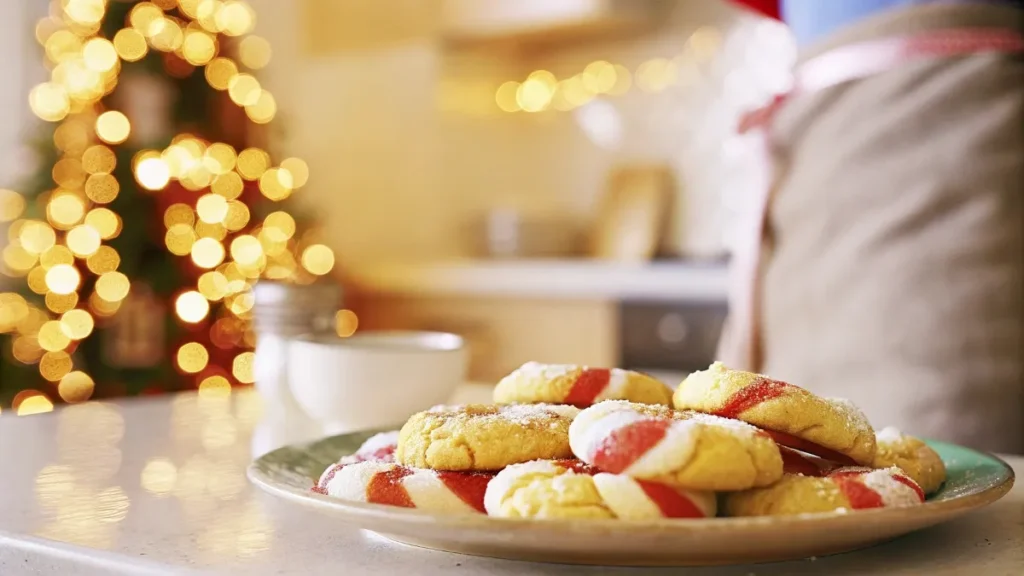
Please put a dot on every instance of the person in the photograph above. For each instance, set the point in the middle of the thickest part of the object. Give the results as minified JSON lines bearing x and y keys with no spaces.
{"x":885,"y":262}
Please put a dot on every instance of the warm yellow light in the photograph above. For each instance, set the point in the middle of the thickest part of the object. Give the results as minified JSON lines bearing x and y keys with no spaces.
{"x":244,"y":89}
{"x":76,"y":324}
{"x":198,"y":48}
{"x":49,"y":101}
{"x":51,"y":337}
{"x":105,"y":221}
{"x":179,"y":214}
{"x":112,"y":127}
{"x":214,"y":387}
{"x":112,"y":286}
{"x":345,"y":323}
{"x":55,"y":365}
{"x":246,"y":250}
{"x":84,"y":11}
{"x":130,"y":45}
{"x":252,"y":163}
{"x":12,"y":205}
{"x":152,"y":173}
{"x":211,"y":208}
{"x":190,"y":8}
{"x":276,"y":184}
{"x":68,"y":172}
{"x":505,"y":97}
{"x":143,"y":15}
{"x":165,"y":35}
{"x":242,"y":367}
{"x":101,"y":307}
{"x":298,"y":169}
{"x":72,"y":136}
{"x":36,"y":280}
{"x":179,"y":239}
{"x":254,"y":52}
{"x":235,"y":18}
{"x":318,"y":259}
{"x":191,"y":306}
{"x":18,"y":259}
{"x":279,"y":226}
{"x":534,"y":95}
{"x":102,"y":188}
{"x":37,"y":404}
{"x":56,"y":255}
{"x":655,"y":75}
{"x":207,"y":253}
{"x":220,"y":158}
{"x":65,"y":209}
{"x":219,"y":72}
{"x":36,"y":236}
{"x":159,"y":476}
{"x":263,"y":110}
{"x":599,"y":77}
{"x":99,"y":54}
{"x":241,"y":303}
{"x":704,"y":43}
{"x":26,"y":350}
{"x":83,"y":240}
{"x":63,"y":45}
{"x":217,"y":231}
{"x":623,"y":81}
{"x":180,"y":160}
{"x":76,"y":387}
{"x":13,"y":309}
{"x":62,"y":279}
{"x":60,"y":303}
{"x":213,"y":285}
{"x":104,"y":260}
{"x":99,"y":159}
{"x":192,"y":357}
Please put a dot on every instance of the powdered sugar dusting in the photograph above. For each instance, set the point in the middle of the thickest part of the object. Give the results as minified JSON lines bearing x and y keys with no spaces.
{"x":529,"y":414}
{"x":544,"y":371}
{"x":853,"y":415}
{"x":889,"y":435}
{"x":893,"y":492}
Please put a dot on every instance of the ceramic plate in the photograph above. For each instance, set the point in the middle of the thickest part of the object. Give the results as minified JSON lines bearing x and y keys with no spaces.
{"x":974,"y":480}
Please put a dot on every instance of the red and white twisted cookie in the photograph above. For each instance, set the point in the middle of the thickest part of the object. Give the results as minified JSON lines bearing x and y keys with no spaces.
{"x":395,"y":485}
{"x":678,"y":448}
{"x":839,"y":490}
{"x":911,"y":455}
{"x":377,"y":448}
{"x":832,"y":428}
{"x":570,"y":489}
{"x":579,"y":386}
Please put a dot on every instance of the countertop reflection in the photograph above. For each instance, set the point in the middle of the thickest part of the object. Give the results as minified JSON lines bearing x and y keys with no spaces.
{"x":158,"y":485}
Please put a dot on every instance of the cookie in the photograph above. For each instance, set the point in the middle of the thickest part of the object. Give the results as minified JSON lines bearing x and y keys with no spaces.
{"x":911,"y":455}
{"x":832,"y":428}
{"x":479,"y":437}
{"x":840,"y":490}
{"x":377,"y":448}
{"x":571,"y":489}
{"x":579,"y":386}
{"x":679,"y":448}
{"x":395,"y":485}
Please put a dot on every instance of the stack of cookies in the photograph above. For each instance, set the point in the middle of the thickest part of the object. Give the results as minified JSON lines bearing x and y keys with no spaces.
{"x":576,"y":442}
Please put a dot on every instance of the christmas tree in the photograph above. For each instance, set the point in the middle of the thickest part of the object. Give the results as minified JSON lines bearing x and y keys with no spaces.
{"x":156,"y":209}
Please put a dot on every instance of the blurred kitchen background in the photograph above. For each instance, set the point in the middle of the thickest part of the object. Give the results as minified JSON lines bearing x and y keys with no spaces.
{"x":552,"y":179}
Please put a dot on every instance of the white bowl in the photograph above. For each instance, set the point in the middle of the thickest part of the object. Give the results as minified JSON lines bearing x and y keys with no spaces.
{"x":374,"y":379}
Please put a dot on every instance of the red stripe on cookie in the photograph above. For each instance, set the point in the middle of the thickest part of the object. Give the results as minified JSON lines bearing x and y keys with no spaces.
{"x":382,"y":454}
{"x":625,"y":445}
{"x":811,"y":448}
{"x":745,"y":398}
{"x":468,"y":486}
{"x":387,"y":488}
{"x":794,"y":462}
{"x":908,"y":482}
{"x":671,"y":503}
{"x":321,"y":487}
{"x":577,"y":466}
{"x":588,"y":385}
{"x":859,"y":494}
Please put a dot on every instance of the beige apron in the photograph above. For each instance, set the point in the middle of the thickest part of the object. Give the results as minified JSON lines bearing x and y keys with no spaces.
{"x":892,"y":256}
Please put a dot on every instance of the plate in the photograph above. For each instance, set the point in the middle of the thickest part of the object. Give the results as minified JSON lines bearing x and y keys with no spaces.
{"x":974,"y":479}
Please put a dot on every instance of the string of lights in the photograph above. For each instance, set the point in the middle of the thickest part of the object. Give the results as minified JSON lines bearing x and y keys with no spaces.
{"x":61,"y":243}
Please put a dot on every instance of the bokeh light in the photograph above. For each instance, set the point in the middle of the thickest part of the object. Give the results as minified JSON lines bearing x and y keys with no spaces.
{"x":318,"y":259}
{"x":207,"y":253}
{"x":37,"y":403}
{"x":83,"y":240}
{"x":49,"y":101}
{"x":213,"y":285}
{"x":106,"y":259}
{"x":76,"y":324}
{"x":99,"y":159}
{"x":55,"y":365}
{"x":102,"y":188}
{"x":219,"y":72}
{"x":62,"y":279}
{"x":112,"y":127}
{"x":345,"y":323}
{"x":76,"y":387}
{"x":112,"y":286}
{"x":130,"y":44}
{"x":191,"y":306}
{"x":152,"y":173}
{"x":51,"y":337}
{"x":12,"y":205}
{"x":254,"y":52}
{"x":60,"y":303}
{"x":106,"y":222}
{"x":212,"y":208}
{"x":65,"y":210}
{"x":242,"y":367}
{"x":244,"y":89}
{"x":192,"y":357}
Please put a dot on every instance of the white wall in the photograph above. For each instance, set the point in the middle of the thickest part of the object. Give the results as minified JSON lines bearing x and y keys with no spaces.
{"x":396,"y":176}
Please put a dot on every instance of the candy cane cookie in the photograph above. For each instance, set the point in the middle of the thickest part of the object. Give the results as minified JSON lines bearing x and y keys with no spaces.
{"x":478,"y":437}
{"x":679,"y":448}
{"x":832,"y":428}
{"x":840,"y":490}
{"x":579,"y":386}
{"x":911,"y":455}
{"x":570,"y":489}
{"x":396,"y":485}
{"x":377,"y":448}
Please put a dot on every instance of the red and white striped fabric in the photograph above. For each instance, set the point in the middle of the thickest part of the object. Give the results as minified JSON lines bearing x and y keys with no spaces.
{"x":395,"y":485}
{"x":652,"y":442}
{"x":570,"y":489}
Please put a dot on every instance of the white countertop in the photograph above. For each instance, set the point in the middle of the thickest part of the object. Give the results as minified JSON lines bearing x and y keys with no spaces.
{"x":157,"y":486}
{"x":589,"y":279}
